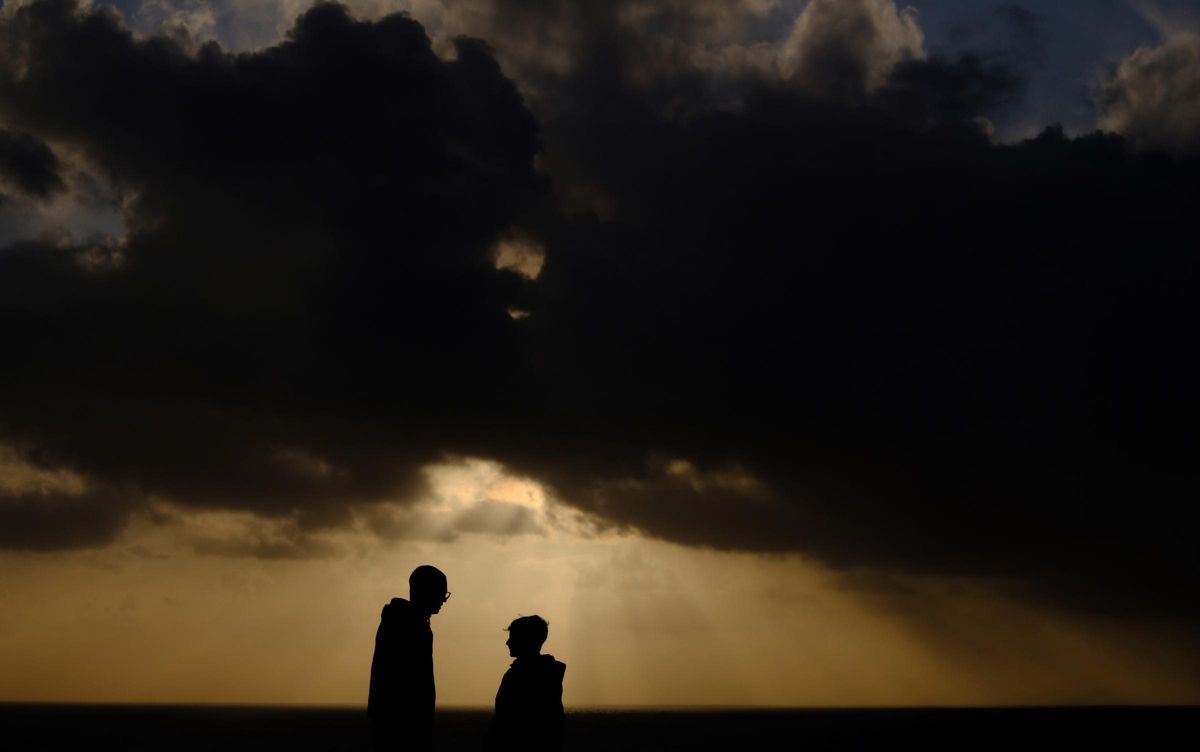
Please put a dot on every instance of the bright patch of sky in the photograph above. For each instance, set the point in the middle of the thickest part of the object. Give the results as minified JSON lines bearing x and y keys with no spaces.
{"x":69,"y":218}
{"x":1061,"y":49}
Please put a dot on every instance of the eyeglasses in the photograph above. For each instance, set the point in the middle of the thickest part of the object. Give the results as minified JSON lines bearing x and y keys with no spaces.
{"x":445,"y":597}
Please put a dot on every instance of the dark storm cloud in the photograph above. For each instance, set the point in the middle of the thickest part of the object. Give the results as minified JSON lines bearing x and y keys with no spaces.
{"x":41,"y":522}
{"x":917,"y":350}
{"x":953,"y":92}
{"x":776,"y":313}
{"x":933,"y":354}
{"x":28,"y":165}
{"x":306,"y":288}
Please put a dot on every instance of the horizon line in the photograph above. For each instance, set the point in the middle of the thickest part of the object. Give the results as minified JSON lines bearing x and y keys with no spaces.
{"x":713,"y":708}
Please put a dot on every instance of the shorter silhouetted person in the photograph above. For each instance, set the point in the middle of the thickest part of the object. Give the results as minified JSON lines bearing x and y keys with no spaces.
{"x":529,"y":708}
{"x":401,"y":699}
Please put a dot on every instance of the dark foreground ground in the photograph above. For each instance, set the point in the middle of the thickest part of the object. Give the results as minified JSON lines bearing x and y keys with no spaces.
{"x":227,"y":729}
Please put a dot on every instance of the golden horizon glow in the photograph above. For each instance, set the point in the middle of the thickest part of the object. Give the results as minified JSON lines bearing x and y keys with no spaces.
{"x":178,"y":611}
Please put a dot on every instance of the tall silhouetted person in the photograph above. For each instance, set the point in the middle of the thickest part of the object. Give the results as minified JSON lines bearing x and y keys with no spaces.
{"x":529,"y":709}
{"x":401,"y":700}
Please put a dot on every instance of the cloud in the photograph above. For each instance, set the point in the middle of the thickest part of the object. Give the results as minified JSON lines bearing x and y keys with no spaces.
{"x":292,"y":215}
{"x":242,"y":534}
{"x":28,"y":165}
{"x":762,"y":312}
{"x":847,"y":48}
{"x":927,"y":350}
{"x":1153,"y":96}
{"x":48,"y":520}
{"x":19,"y":477}
{"x":498,"y":517}
{"x":948,"y":91}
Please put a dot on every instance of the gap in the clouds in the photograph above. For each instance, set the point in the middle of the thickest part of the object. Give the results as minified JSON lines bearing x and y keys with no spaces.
{"x":521,"y":254}
{"x":67,"y":219}
{"x":465,"y":496}
{"x":89,"y":213}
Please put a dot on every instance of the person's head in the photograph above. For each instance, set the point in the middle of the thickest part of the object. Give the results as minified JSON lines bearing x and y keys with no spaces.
{"x":526,"y":636}
{"x":427,"y":588}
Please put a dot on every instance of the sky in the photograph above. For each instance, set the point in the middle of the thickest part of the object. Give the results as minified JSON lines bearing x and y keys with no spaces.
{"x":778,"y":353}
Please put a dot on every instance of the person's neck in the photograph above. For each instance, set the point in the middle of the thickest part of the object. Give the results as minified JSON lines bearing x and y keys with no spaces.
{"x":424,"y":611}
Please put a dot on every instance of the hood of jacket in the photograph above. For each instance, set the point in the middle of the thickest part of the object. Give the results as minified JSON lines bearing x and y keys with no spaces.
{"x":401,"y":610}
{"x":542,"y":664}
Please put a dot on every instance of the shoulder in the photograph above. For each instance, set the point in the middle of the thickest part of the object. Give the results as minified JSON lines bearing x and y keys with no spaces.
{"x":399,"y":612}
{"x":552,"y":668}
{"x":398,"y":620}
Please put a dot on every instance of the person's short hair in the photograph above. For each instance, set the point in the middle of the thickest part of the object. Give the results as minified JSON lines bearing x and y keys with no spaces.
{"x":534,"y":626}
{"x":426,"y":577}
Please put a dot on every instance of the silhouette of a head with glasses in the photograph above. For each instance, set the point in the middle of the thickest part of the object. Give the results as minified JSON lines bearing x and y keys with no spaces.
{"x":427,"y":589}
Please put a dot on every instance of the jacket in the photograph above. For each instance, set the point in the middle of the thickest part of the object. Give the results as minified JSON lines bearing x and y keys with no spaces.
{"x":529,"y":708}
{"x":402,"y":692}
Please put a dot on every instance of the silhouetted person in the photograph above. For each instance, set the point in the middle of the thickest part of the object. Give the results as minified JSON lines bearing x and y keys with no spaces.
{"x":402,"y":695}
{"x":529,"y":709}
